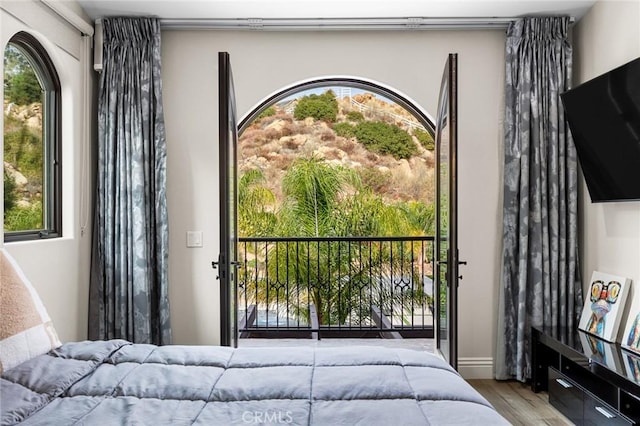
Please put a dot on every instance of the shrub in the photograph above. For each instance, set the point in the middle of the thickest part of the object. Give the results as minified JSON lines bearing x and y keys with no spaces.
{"x":345,"y":130}
{"x":271,"y":134}
{"x":266,"y":113}
{"x":355,"y":116}
{"x":327,"y":135}
{"x":376,"y":180}
{"x":23,"y":149}
{"x":10,"y":195}
{"x":287,"y":130}
{"x":321,"y":107}
{"x":425,"y":138}
{"x":385,"y":139}
{"x":347,"y":145}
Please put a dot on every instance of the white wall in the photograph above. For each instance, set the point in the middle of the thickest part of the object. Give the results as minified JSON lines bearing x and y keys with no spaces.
{"x":607,"y":37}
{"x":263,"y":62}
{"x":59,"y":267}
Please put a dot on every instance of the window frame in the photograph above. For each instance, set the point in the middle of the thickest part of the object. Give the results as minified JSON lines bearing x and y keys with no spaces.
{"x":51,"y":139}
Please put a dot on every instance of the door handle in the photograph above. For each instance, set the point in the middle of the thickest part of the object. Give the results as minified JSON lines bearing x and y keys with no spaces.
{"x":215,"y":264}
{"x":461,"y":262}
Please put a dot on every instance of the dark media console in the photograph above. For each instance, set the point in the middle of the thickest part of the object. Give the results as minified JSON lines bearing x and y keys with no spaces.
{"x":589,"y":380}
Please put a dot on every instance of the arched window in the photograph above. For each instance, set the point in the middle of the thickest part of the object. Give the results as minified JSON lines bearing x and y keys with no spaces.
{"x":32,"y":169}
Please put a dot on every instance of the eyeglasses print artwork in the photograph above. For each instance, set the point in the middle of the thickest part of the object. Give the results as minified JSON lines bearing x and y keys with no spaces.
{"x":603,"y":297}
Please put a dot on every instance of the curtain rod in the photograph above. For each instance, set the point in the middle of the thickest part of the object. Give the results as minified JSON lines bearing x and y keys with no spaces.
{"x":357,"y":24}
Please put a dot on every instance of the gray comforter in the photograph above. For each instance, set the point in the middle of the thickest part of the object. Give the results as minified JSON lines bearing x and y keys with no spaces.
{"x":118,"y":383}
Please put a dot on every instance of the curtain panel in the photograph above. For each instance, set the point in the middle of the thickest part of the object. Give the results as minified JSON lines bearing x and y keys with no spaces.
{"x":129,"y":281}
{"x":540,"y":284}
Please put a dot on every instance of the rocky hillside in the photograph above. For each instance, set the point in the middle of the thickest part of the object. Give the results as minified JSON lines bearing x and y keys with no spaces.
{"x":23,"y":150}
{"x":274,"y":142}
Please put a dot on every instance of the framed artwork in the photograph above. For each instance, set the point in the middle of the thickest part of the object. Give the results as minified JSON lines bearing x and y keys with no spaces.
{"x":631,"y":336}
{"x":604,"y":305}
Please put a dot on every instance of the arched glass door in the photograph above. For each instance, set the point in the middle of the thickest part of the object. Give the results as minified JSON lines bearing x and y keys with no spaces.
{"x":230,"y":174}
{"x":446,"y":242}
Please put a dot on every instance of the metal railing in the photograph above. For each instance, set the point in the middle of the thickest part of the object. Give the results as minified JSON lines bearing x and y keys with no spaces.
{"x":337,"y":286}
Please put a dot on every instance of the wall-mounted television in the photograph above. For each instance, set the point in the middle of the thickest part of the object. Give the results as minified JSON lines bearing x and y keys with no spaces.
{"x":604,"y":118}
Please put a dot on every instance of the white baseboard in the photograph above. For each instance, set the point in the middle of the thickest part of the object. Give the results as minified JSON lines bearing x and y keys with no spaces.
{"x":476,"y":368}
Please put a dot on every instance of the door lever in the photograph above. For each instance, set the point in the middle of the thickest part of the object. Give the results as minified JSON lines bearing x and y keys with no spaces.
{"x":461,"y":262}
{"x":215,"y":264}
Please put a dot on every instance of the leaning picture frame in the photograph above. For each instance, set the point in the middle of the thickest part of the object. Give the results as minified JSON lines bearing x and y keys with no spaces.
{"x":631,"y":336}
{"x":604,"y":305}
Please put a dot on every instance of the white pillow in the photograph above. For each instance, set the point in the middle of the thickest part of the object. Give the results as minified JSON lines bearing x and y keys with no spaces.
{"x":26,"y":330}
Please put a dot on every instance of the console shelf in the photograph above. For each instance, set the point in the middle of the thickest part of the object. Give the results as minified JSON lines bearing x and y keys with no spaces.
{"x":589,"y":380}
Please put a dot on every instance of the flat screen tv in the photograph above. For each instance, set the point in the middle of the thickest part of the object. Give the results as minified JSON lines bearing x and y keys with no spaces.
{"x":604,"y":118}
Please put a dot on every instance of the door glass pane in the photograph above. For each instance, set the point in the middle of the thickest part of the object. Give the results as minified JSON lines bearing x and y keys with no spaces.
{"x":233,"y":216}
{"x":228,"y":199}
{"x":446,"y":214}
{"x":443,"y":219}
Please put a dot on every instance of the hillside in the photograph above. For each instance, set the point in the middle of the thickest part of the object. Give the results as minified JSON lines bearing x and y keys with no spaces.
{"x":23,"y":150}
{"x":272,"y":143}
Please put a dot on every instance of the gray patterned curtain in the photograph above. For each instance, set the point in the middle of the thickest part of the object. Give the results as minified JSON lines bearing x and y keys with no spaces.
{"x":128,"y":293}
{"x":540,"y":283}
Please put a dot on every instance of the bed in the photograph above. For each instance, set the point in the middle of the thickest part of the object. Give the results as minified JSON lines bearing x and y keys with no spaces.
{"x":115,"y":382}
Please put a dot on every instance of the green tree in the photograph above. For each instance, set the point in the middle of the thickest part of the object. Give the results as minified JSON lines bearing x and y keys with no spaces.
{"x":312,"y":189}
{"x":321,"y":107}
{"x":21,"y":85}
{"x":256,"y":205}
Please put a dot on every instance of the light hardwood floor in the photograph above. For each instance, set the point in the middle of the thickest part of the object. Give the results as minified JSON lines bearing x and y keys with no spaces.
{"x":518,"y":404}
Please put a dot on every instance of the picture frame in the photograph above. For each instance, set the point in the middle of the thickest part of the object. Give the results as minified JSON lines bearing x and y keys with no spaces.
{"x":604,"y":305}
{"x":631,"y":336}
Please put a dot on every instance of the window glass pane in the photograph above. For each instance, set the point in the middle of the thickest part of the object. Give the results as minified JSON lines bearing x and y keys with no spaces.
{"x":23,"y":142}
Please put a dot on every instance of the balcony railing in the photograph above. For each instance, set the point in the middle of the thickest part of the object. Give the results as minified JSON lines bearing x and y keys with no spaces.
{"x":336,"y":287}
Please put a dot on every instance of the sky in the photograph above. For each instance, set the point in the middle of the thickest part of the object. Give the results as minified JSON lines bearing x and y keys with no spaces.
{"x":336,"y":90}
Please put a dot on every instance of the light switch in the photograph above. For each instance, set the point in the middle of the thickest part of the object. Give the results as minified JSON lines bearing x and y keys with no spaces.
{"x":194,"y":238}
